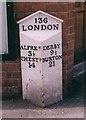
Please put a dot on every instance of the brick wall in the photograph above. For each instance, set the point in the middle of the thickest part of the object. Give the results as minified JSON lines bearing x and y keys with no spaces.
{"x":66,"y":11}
{"x":11,"y":78}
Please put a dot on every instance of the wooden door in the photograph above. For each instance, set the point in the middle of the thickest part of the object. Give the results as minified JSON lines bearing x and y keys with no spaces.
{"x":80,"y":43}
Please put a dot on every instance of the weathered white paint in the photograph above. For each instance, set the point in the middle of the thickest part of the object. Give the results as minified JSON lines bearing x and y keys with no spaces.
{"x":3,"y":29}
{"x":41,"y":60}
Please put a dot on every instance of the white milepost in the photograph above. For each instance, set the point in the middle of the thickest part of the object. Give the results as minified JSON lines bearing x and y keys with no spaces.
{"x":41,"y":58}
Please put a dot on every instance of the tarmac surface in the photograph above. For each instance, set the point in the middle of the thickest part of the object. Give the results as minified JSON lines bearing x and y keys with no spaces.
{"x":72,"y":107}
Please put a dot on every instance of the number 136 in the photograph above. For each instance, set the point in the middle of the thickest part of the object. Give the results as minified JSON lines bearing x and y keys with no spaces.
{"x":41,"y":20}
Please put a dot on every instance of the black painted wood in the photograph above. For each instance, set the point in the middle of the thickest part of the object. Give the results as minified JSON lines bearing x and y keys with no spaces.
{"x":11,"y":34}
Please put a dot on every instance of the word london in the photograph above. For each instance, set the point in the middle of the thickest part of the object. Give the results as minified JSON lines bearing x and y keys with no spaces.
{"x":40,"y":27}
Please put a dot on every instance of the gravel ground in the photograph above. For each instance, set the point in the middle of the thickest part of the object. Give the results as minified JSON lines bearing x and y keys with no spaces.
{"x":69,"y":108}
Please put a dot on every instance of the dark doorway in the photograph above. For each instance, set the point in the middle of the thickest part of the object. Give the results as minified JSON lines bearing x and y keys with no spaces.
{"x":80,"y":40}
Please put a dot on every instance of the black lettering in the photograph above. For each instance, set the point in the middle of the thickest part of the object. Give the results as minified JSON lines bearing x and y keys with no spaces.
{"x":39,"y":47}
{"x":40,"y":59}
{"x":58,"y":45}
{"x":51,"y":52}
{"x":58,"y":57}
{"x":30,"y":27}
{"x":36,"y":27}
{"x":51,"y":63}
{"x":49,"y":27}
{"x":44,"y":47}
{"x":22,"y":58}
{"x":50,"y":58}
{"x":48,"y":47}
{"x":45,"y":20}
{"x":44,"y":60}
{"x":53,"y":57}
{"x":28,"y":47}
{"x":29,"y":53}
{"x":31,"y":47}
{"x":29,"y":59}
{"x":55,"y":26}
{"x":35,"y":20}
{"x":21,"y":47}
{"x":40,"y":20}
{"x":51,"y":46}
{"x":55,"y":52}
{"x":36,"y":59}
{"x":33,"y":54}
{"x":33,"y":59}
{"x":23,"y":28}
{"x":35,"y":48}
{"x":55,"y":46}
{"x":31,"y":65}
{"x":43,"y":27}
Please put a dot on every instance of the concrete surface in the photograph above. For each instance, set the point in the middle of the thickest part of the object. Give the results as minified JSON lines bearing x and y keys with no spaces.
{"x":69,"y":108}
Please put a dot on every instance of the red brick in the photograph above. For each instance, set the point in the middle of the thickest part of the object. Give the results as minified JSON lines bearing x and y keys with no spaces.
{"x":11,"y":75}
{"x":0,"y":85}
{"x":68,"y":52}
{"x":19,"y":7}
{"x":71,"y":60}
{"x":59,"y":7}
{"x":71,"y":29}
{"x":68,"y":59}
{"x":70,"y":66}
{"x":70,"y":22}
{"x":18,"y":66}
{"x":4,"y":75}
{"x":28,"y":8}
{"x":51,"y":8}
{"x":22,"y":7}
{"x":7,"y":90}
{"x":16,"y":75}
{"x":19,"y":16}
{"x":0,"y":75}
{"x":38,"y":6}
{"x":71,"y":37}
{"x":65,"y":32}
{"x":71,"y":45}
{"x":64,"y":61}
{"x":65,"y":46}
{"x":64,"y":66}
{"x":71,"y":14}
{"x":9,"y":83}
{"x":63,"y":7}
{"x":10,"y":67}
{"x":71,"y":5}
{"x":67,"y":73}
{"x":62,"y":15}
{"x":53,"y":13}
{"x":0,"y":66}
{"x":65,"y":25}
